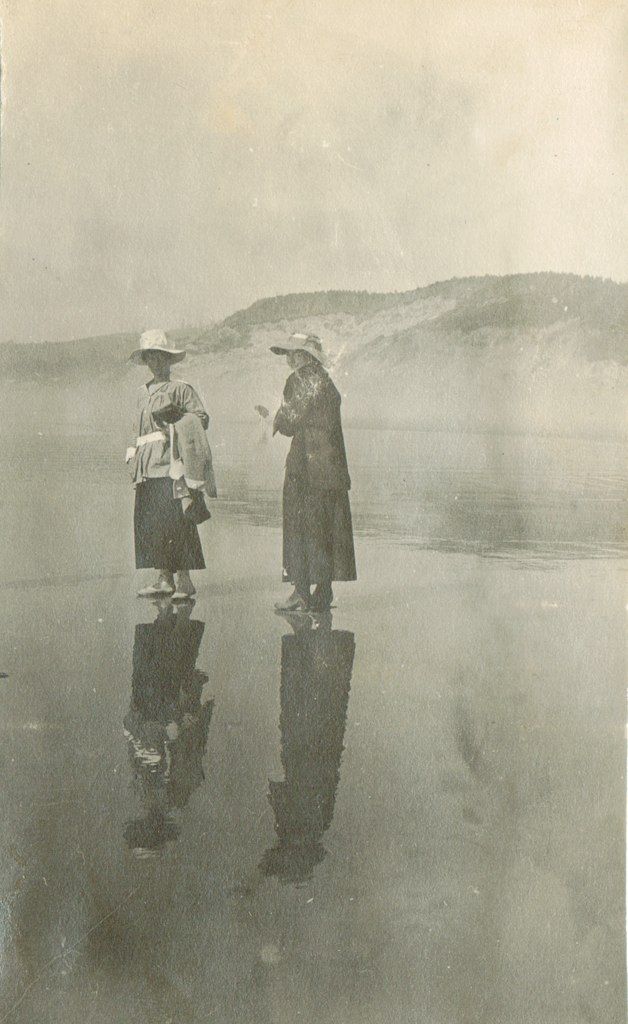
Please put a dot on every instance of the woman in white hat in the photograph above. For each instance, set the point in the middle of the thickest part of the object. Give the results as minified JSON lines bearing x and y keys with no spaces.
{"x":317,"y":529}
{"x":165,"y":539}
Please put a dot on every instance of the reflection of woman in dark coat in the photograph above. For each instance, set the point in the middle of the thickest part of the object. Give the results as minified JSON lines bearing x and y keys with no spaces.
{"x":316,"y":667}
{"x":317,"y":530}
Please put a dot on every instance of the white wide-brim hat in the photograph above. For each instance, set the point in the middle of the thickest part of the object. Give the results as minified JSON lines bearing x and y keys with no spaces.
{"x":156,"y":341}
{"x":309,"y":343}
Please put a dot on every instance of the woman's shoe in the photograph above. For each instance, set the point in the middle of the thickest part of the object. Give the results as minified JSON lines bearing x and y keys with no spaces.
{"x":185,"y":588}
{"x":162,"y":587}
{"x":321,"y":598}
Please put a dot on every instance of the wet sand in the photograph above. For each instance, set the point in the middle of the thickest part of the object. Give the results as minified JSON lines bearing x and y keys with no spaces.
{"x":412,"y":813}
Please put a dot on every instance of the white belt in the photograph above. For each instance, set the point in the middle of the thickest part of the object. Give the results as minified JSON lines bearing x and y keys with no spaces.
{"x":157,"y":435}
{"x":176,"y":470}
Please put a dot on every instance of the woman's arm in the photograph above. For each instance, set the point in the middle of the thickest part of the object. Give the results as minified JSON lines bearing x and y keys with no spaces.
{"x":285,"y":421}
{"x":190,"y":402}
{"x":133,"y":435}
{"x":299,"y":395}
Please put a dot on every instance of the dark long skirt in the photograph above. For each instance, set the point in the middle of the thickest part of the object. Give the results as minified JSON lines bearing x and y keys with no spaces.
{"x":317,"y":534}
{"x":164,"y":538}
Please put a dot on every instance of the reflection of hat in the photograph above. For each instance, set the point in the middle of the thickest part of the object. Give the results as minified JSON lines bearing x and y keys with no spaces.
{"x":309,"y":343}
{"x":156,"y":341}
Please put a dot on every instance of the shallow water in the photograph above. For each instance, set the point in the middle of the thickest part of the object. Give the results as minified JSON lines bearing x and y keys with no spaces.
{"x":410,"y":813}
{"x":538,"y":499}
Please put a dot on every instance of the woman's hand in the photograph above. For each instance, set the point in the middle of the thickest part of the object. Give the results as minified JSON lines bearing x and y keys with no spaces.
{"x":169,"y":414}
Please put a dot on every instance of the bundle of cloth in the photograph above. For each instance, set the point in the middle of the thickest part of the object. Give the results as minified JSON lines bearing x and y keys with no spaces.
{"x":191,"y":466}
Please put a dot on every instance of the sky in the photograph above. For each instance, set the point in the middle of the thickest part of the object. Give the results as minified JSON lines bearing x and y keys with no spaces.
{"x":166,"y":163}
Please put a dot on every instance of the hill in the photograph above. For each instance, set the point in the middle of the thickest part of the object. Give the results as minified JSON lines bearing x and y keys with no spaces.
{"x":525,"y":352}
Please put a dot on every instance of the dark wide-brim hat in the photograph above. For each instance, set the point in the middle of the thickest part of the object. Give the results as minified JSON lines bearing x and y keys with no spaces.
{"x":309,"y":343}
{"x":156,"y":341}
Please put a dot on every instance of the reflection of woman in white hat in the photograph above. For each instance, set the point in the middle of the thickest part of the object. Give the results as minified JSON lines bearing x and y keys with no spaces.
{"x":317,"y":530}
{"x":165,"y":539}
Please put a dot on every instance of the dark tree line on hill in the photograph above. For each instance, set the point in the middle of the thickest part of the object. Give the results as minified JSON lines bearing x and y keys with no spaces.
{"x":593,"y":306}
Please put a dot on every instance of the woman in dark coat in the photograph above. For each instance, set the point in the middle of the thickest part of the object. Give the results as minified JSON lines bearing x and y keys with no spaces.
{"x":317,"y":530}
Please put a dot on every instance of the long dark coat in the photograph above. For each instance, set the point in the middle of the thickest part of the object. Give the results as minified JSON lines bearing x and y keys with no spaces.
{"x":317,"y":529}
